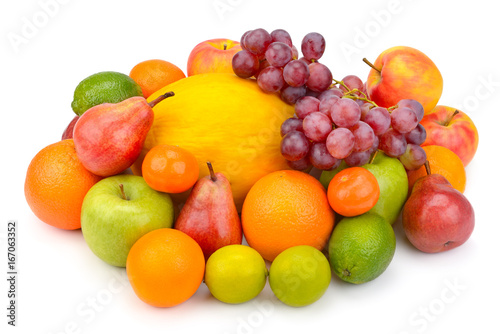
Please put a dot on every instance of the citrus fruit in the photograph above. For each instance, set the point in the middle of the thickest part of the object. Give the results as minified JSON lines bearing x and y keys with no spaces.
{"x":284,"y":209}
{"x":235,"y":274}
{"x":442,"y":161}
{"x":170,"y":169}
{"x":353,"y":191}
{"x":300,"y":275}
{"x":165,"y":267}
{"x":153,"y":74}
{"x":56,"y":184}
{"x":103,"y":87}
{"x":223,"y":119}
{"x":361,"y":248}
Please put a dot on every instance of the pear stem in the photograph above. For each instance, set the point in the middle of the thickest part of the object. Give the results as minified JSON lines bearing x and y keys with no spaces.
{"x":123,"y":192}
{"x":160,"y":98}
{"x":212,"y":173}
{"x":427,"y":167}
{"x":371,"y":65}
{"x":451,"y":117}
{"x":225,"y":46}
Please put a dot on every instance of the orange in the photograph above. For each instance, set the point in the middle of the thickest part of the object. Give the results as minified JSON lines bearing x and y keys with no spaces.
{"x":170,"y":169}
{"x":56,"y":183}
{"x":153,"y":74}
{"x":442,"y":161}
{"x":353,"y":191}
{"x":284,"y":209}
{"x":165,"y":267}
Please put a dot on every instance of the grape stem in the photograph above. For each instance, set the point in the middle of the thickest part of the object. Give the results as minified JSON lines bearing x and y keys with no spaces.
{"x":351,"y":93}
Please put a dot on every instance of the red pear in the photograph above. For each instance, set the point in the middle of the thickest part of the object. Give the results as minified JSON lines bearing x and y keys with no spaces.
{"x":209,"y":215}
{"x":437,"y":217}
{"x":109,"y":137}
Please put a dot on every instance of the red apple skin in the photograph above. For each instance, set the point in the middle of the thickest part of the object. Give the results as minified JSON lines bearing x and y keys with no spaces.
{"x":68,"y":132}
{"x":109,"y":137}
{"x":455,"y":131}
{"x":437,"y":217}
{"x":211,"y":57}
{"x":405,"y":73}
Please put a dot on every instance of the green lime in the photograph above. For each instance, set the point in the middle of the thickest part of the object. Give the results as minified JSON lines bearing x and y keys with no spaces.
{"x":300,"y":275}
{"x":361,"y":247}
{"x":103,"y":87}
{"x":235,"y":274}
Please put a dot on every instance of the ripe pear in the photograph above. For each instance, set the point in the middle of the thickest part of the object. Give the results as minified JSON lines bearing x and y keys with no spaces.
{"x":437,"y":217}
{"x":109,"y":137}
{"x":209,"y":215}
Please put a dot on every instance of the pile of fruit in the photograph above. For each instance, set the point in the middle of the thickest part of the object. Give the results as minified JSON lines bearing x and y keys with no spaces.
{"x":257,"y":167}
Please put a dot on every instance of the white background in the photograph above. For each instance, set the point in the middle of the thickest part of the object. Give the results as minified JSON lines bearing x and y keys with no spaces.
{"x":64,"y":288}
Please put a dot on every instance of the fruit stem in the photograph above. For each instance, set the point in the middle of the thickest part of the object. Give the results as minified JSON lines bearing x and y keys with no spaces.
{"x":225,"y":46}
{"x":427,"y":167}
{"x":451,"y":117}
{"x":371,"y":65}
{"x":212,"y":173}
{"x":123,"y":192}
{"x":160,"y":98}
{"x":351,"y":93}
{"x":373,"y":157}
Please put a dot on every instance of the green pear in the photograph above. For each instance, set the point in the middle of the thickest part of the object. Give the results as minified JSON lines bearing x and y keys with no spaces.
{"x":392,"y":180}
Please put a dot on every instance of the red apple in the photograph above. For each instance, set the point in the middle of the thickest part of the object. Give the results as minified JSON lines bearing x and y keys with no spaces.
{"x":214,"y":55}
{"x":402,"y":72}
{"x":68,"y":133}
{"x":453,"y":129}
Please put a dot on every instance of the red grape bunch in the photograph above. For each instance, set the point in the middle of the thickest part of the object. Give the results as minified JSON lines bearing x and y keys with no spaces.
{"x":341,"y":123}
{"x":273,"y":60}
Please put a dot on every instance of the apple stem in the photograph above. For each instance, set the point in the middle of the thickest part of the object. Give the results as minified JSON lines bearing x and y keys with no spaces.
{"x":451,"y":117}
{"x":371,"y":65}
{"x":212,"y":173}
{"x":225,"y":46}
{"x":427,"y":167}
{"x":373,"y":157}
{"x":123,"y":192}
{"x":160,"y":98}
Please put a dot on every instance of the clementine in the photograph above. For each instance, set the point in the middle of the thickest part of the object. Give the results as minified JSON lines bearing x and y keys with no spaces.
{"x":154,"y":74}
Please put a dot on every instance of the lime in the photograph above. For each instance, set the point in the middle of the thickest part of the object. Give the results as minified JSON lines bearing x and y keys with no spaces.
{"x":300,"y":275}
{"x":103,"y":87}
{"x":235,"y":274}
{"x":361,"y":247}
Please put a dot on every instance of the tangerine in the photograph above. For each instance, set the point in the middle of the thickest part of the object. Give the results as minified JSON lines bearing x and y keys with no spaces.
{"x":284,"y":209}
{"x":353,"y":191}
{"x":170,"y":169}
{"x":153,"y":74}
{"x":442,"y":161}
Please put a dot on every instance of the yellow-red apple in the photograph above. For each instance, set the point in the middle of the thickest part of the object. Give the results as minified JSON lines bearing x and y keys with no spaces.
{"x":453,"y":129}
{"x":403,"y":72}
{"x":213,"y":55}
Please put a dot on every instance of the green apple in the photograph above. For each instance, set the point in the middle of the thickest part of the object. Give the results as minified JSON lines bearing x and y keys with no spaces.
{"x":392,"y":180}
{"x":117,"y":211}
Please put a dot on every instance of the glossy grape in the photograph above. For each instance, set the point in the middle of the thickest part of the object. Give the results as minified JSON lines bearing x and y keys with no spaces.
{"x":320,"y":77}
{"x":345,"y":113}
{"x":291,"y":94}
{"x":296,"y":73}
{"x":317,"y":126}
{"x":393,"y":143}
{"x":257,"y":41}
{"x":278,"y":54}
{"x":270,"y":79}
{"x":417,"y":135}
{"x":414,"y":157}
{"x":340,"y":143}
{"x":306,"y":105}
{"x":363,"y":136}
{"x":280,"y":35}
{"x":245,"y":64}
{"x":378,"y":119}
{"x":403,"y":119}
{"x":321,"y":158}
{"x":291,"y":124}
{"x":313,"y":46}
{"x":294,"y":146}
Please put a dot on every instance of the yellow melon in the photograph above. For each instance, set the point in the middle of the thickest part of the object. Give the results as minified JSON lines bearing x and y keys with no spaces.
{"x":223,"y":119}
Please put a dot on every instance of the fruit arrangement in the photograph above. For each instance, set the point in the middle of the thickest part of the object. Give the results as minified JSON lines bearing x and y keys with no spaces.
{"x":258,"y":166}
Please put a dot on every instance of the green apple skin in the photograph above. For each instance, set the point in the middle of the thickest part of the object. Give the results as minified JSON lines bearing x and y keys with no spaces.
{"x":392,"y":180}
{"x":112,"y":224}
